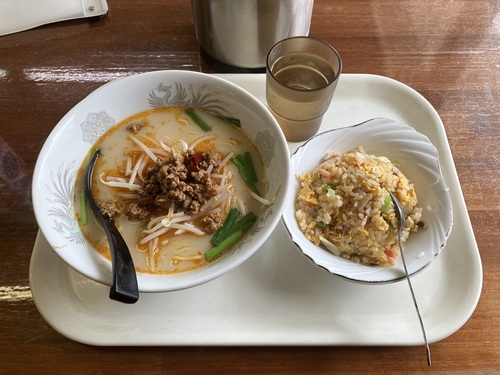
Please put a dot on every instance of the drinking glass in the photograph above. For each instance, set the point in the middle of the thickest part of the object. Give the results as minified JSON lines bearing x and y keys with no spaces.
{"x":301,"y":76}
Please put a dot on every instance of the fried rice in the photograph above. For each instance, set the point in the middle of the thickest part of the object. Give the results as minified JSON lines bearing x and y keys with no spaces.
{"x":344,"y":205}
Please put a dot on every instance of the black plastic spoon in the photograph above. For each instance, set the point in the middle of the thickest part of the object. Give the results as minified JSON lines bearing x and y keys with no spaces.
{"x":124,"y":288}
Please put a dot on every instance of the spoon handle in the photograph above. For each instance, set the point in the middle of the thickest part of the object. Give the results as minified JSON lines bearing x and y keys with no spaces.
{"x":427,"y":349}
{"x":401,"y":217}
{"x":125,"y":287}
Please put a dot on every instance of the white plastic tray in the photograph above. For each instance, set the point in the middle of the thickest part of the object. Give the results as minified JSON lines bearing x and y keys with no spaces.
{"x":277,"y":297}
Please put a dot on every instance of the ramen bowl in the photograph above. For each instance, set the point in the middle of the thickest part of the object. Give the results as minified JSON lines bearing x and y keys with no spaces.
{"x":416,"y":157}
{"x":75,"y":135}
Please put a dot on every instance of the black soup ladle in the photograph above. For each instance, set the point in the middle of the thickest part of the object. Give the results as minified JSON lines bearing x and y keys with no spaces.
{"x":125,"y":288}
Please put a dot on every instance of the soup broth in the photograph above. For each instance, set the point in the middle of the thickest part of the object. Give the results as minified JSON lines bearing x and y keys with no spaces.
{"x":173,"y":236}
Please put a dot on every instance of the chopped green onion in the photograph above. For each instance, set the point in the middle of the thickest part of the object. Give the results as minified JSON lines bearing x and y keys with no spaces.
{"x":233,"y":121}
{"x":243,"y":224}
{"x":83,"y":203}
{"x":224,"y":245}
{"x":240,"y":162}
{"x":222,"y":232}
{"x":315,"y":176}
{"x":250,"y":166}
{"x":198,"y":120}
{"x":386,"y":204}
{"x":329,"y":186}
{"x":232,"y":235}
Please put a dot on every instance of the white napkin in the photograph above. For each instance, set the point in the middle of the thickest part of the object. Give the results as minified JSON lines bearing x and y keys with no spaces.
{"x":19,"y":15}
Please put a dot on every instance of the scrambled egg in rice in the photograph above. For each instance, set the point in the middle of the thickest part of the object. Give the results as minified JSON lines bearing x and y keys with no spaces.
{"x":345,"y":206}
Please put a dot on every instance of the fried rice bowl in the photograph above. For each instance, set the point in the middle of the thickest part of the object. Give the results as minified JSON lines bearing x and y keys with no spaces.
{"x":339,"y":213}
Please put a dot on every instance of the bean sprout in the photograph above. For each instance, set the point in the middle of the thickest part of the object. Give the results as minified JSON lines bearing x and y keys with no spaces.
{"x":146,"y":149}
{"x":128,"y":168}
{"x":200,"y":139}
{"x":119,"y":184}
{"x":225,"y":160}
{"x":261,"y":199}
{"x":136,"y":169}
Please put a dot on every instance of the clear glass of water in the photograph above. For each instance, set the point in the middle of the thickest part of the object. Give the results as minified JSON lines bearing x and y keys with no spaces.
{"x":301,"y":76}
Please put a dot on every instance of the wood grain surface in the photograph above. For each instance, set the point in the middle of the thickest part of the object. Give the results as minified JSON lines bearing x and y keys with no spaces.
{"x":447,"y":50}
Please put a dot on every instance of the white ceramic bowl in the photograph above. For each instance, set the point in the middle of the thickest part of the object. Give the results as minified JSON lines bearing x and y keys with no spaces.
{"x":74,"y":135}
{"x":418,"y":160}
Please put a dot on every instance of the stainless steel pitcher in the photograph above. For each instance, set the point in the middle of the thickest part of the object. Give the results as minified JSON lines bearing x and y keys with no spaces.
{"x":241,"y":32}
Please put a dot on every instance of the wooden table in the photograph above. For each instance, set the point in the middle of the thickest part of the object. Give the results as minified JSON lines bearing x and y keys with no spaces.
{"x":446,"y":50}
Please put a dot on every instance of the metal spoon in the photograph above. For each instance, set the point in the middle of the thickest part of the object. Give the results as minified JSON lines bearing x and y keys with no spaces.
{"x":401,"y":218}
{"x":125,"y":288}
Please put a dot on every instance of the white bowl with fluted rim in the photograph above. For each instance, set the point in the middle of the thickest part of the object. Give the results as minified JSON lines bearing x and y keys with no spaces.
{"x":417,"y":158}
{"x":76,"y":132}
